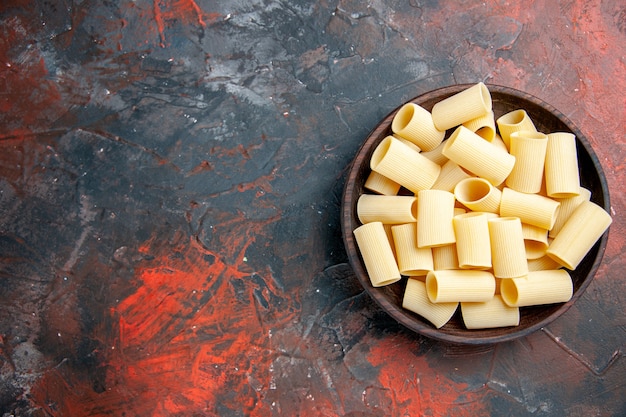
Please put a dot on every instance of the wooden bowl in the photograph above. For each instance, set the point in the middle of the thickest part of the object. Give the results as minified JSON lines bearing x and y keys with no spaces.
{"x":547,"y":119}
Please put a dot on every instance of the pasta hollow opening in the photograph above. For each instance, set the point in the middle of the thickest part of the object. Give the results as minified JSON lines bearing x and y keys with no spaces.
{"x":402,"y":118}
{"x":508,"y":291}
{"x":379,"y":153}
{"x":432,"y":289}
{"x":513,"y":118}
{"x":473,"y":190}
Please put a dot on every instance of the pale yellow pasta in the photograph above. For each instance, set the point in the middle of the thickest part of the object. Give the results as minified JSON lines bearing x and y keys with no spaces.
{"x":499,"y":143}
{"x":538,"y":288}
{"x":388,"y":209}
{"x":401,"y":164}
{"x":389,"y":234}
{"x":445,"y":257}
{"x":435,"y":210}
{"x":535,"y":241}
{"x":377,"y":254}
{"x":461,"y":107}
{"x":408,"y":143}
{"x":460,"y":285}
{"x":450,"y":176}
{"x":478,"y":194}
{"x":436,"y":154}
{"x":514,"y":121}
{"x":415,"y":123}
{"x":484,"y":126}
{"x":529,"y":150}
{"x":380,"y":184}
{"x":416,"y":300}
{"x":478,"y":156}
{"x":412,"y":261}
{"x":568,"y":205}
{"x":508,"y":254}
{"x":533,"y":209}
{"x":542,"y":264}
{"x":459,"y":211}
{"x":561,"y":170}
{"x":472,"y":241}
{"x":581,"y":231}
{"x":489,"y":314}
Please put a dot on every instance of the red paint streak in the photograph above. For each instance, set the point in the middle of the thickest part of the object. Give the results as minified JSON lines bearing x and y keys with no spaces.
{"x":416,"y":389}
{"x":29,"y":99}
{"x":186,"y":12}
{"x":192,"y":335}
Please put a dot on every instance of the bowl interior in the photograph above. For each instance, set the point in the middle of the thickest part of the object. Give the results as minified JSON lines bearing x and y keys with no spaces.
{"x":547,"y":119}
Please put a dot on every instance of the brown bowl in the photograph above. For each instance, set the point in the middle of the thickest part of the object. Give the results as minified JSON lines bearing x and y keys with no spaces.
{"x":547,"y":119}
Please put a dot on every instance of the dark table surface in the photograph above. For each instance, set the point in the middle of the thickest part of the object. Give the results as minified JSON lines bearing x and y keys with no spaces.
{"x":170,"y":185}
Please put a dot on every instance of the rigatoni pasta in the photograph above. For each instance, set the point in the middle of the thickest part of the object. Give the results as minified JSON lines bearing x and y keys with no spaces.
{"x":472,"y":240}
{"x":532,"y":209}
{"x":537,"y":288}
{"x":475,"y":219}
{"x":435,"y":210}
{"x":529,"y":150}
{"x":568,"y":205}
{"x":412,"y":261}
{"x":466,"y":105}
{"x":416,"y":300}
{"x":508,"y":253}
{"x":377,"y":255}
{"x":386,"y":209}
{"x":401,"y":164}
{"x":489,"y":314}
{"x":514,"y":121}
{"x":460,"y":285}
{"x":581,"y":231}
{"x":379,"y":184}
{"x":415,"y":123}
{"x":478,"y":156}
{"x":562,"y":177}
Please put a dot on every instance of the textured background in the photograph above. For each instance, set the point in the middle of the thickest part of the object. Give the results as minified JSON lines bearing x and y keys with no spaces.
{"x":170,"y":182}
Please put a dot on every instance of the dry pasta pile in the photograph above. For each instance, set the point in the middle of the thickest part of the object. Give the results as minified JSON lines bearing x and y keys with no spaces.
{"x":495,"y":218}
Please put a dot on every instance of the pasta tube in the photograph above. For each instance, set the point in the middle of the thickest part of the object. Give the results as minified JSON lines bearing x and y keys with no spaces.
{"x":561,"y":169}
{"x":416,"y":300}
{"x":514,"y":121}
{"x":543,"y":263}
{"x":508,"y":253}
{"x":478,"y":194}
{"x":451,"y":174}
{"x":478,"y":156}
{"x":472,"y":240}
{"x":529,"y":150}
{"x":380,"y":184}
{"x":568,"y":205}
{"x":539,"y":287}
{"x":445,"y":257}
{"x":377,"y":255}
{"x":436,"y":155}
{"x":535,"y":241}
{"x":415,"y":123}
{"x":412,"y":261}
{"x":435,"y":210}
{"x":484,"y":126}
{"x":463,"y":106}
{"x":533,"y":209}
{"x":581,"y":231}
{"x":460,"y":285}
{"x":489,"y":314}
{"x":401,"y":164}
{"x":386,"y":209}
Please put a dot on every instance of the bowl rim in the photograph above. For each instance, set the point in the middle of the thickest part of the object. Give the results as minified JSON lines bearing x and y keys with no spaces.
{"x":425,"y":328}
